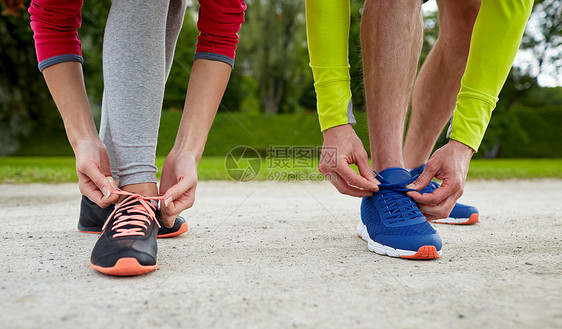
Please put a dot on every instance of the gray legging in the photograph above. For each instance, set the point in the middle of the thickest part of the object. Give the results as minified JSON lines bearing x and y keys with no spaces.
{"x":138,"y":49}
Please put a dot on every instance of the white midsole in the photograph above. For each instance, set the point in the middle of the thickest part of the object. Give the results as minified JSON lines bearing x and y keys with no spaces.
{"x":382,"y":249}
{"x":451,"y":220}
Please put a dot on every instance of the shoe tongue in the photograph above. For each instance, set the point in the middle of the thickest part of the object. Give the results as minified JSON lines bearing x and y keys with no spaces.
{"x":395,"y":175}
{"x":418,"y":170}
{"x":151,"y":203}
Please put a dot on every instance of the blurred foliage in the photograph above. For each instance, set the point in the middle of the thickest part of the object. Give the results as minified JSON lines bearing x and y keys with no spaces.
{"x":24,"y":98}
{"x":273,"y":52}
{"x":541,"y":126}
{"x":176,"y":86}
{"x":542,"y":134}
{"x":544,"y":39}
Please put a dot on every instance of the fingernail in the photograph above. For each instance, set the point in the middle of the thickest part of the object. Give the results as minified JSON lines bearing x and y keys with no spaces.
{"x":168,"y":200}
{"x":105,"y":192}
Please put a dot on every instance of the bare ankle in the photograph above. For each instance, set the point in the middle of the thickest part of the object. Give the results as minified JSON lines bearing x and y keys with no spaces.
{"x":146,"y":189}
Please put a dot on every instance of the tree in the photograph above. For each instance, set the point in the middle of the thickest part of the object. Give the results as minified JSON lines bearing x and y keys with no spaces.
{"x":543,"y":40}
{"x":272,"y":48}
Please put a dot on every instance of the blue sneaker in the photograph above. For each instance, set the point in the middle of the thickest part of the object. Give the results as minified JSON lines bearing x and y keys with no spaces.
{"x":461,"y":214}
{"x":391,"y":222}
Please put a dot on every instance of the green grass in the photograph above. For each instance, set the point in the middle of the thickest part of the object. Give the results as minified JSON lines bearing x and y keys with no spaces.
{"x":61,"y":169}
{"x":515,"y":168}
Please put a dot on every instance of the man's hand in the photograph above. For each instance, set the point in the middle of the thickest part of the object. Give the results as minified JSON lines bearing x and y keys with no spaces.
{"x":177,"y":184}
{"x":450,"y":164}
{"x":94,"y":172}
{"x":341,"y":148}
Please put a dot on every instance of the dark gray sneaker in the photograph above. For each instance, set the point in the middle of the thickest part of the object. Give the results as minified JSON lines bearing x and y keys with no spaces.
{"x":127,"y":245}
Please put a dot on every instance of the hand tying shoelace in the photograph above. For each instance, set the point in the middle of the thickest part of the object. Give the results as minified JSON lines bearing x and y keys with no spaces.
{"x":133,"y":214}
{"x":393,"y":195}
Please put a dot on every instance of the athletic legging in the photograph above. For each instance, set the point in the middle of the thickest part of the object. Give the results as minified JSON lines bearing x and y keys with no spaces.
{"x":138,"y":49}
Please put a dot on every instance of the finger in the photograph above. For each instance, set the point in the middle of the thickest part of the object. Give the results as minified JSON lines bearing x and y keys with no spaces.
{"x":89,"y":189}
{"x":424,"y":179}
{"x":174,"y":208}
{"x":352,"y":178}
{"x":102,"y":182}
{"x":176,"y":199}
{"x":431,"y":217}
{"x":341,"y":185}
{"x":113,"y":183}
{"x":366,"y":172}
{"x":437,"y":196}
{"x":176,"y":190}
{"x":416,"y":196}
{"x":442,"y":210}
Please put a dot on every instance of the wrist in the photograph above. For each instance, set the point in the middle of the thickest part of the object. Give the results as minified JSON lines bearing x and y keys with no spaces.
{"x":188,"y":150}
{"x":461,"y":148}
{"x":78,"y":135}
{"x":336,"y":130}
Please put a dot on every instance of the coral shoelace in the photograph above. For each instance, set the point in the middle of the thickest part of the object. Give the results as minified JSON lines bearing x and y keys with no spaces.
{"x":397,"y":201}
{"x":134,"y":211}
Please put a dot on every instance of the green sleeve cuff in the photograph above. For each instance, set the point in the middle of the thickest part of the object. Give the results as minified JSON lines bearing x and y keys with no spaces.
{"x":333,"y":92}
{"x":471,"y":116}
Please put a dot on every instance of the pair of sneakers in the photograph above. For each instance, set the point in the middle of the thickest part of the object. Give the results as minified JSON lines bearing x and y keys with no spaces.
{"x":392,"y":223}
{"x":127,"y":243}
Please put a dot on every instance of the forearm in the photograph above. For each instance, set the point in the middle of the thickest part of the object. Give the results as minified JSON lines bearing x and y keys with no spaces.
{"x":496,"y":37}
{"x":327,"y":26}
{"x":207,"y":83}
{"x":66,"y":84}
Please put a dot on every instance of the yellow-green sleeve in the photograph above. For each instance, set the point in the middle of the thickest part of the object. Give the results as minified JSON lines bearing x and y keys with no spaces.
{"x":495,"y":39}
{"x":327,"y":31}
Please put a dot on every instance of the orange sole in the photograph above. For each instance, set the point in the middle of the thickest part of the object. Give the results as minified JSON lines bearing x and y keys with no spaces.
{"x":473,"y":219}
{"x":182,"y":230}
{"x":425,"y":252}
{"x":125,"y":267}
{"x":89,"y":232}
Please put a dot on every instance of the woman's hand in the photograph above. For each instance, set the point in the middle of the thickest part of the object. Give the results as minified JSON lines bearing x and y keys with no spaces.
{"x":177,"y":185}
{"x":94,"y":172}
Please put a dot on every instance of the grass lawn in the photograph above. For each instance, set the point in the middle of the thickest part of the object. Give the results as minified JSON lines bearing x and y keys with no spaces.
{"x":61,"y":169}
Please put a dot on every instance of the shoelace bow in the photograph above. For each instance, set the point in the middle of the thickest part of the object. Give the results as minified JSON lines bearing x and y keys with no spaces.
{"x":135,"y":211}
{"x":396,"y":200}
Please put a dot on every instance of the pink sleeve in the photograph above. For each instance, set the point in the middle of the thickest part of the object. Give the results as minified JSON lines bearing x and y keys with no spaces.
{"x":55,"y":26}
{"x":218,"y":24}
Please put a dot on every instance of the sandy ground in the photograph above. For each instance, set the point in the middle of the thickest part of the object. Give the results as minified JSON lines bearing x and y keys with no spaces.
{"x":278,"y":255}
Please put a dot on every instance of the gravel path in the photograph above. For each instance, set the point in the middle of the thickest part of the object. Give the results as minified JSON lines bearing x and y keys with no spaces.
{"x":278,"y":255}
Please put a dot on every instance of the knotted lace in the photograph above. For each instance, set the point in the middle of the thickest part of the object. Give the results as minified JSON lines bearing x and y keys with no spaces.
{"x":132,"y":215}
{"x":399,"y":206}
